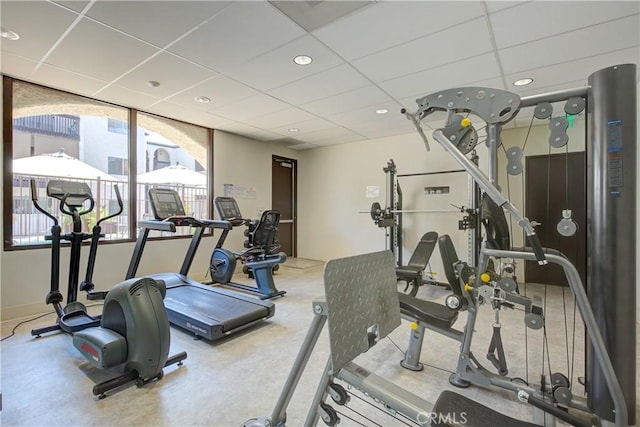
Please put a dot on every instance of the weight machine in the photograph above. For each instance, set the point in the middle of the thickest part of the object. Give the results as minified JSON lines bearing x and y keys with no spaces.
{"x":361,"y":291}
{"x":611,"y":155}
{"x":391,"y":219}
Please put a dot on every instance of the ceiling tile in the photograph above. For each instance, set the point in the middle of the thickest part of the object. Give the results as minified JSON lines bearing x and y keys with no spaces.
{"x":330,"y":134}
{"x":38,"y":23}
{"x":171,"y":72}
{"x":622,"y":33}
{"x":371,"y":29}
{"x":221,"y":90}
{"x":362,"y":97}
{"x":456,"y":74}
{"x":276,"y":68}
{"x":125,"y":97}
{"x":61,"y":79}
{"x":240,"y":128}
{"x":190,"y":115}
{"x":95,"y":50}
{"x":579,"y":70}
{"x":281,"y":118}
{"x":77,"y":5}
{"x":328,"y":83}
{"x":444,"y":47}
{"x":242,"y":31}
{"x":302,"y":146}
{"x":366,"y":114}
{"x":383,"y":126}
{"x":340,"y":140}
{"x":305,"y":127}
{"x":251,"y":107}
{"x":558,"y":16}
{"x":159,"y":23}
{"x":17,"y":66}
{"x":496,"y":5}
{"x":264,"y":135}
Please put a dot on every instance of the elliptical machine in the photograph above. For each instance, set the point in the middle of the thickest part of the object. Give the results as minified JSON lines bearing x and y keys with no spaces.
{"x":260,"y":257}
{"x":133,"y":331}
{"x":73,"y":317}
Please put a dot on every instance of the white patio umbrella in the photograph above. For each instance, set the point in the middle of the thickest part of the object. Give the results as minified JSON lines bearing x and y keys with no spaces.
{"x":58,"y":165}
{"x":174,"y":174}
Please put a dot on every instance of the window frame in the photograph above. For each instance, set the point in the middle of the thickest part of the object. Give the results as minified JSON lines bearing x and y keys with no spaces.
{"x":7,"y":149}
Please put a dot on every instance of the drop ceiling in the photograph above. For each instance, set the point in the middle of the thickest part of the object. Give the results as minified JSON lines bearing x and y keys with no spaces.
{"x":367,"y":55}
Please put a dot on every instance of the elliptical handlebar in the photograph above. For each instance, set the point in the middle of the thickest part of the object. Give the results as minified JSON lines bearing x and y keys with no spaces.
{"x":34,"y":199}
{"x":120,"y":206}
{"x":63,"y":202}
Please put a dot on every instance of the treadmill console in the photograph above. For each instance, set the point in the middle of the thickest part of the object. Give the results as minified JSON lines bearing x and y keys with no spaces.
{"x":165,"y":203}
{"x":227,"y":208}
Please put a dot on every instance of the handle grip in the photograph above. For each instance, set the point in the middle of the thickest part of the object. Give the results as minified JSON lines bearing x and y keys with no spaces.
{"x":537,"y":248}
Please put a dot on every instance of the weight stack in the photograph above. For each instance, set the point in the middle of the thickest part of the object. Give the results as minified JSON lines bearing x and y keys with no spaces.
{"x":611,"y":234}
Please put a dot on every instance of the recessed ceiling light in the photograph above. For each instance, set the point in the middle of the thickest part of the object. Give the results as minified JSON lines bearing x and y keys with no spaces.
{"x":523,"y":82}
{"x":153,"y":83}
{"x":382,"y":111}
{"x":294,"y":130}
{"x":202,"y":99}
{"x":303,"y":60}
{"x":8,"y":34}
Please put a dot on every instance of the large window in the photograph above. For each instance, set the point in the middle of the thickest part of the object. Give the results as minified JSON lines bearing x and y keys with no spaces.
{"x":59,"y":136}
{"x":178,"y":150}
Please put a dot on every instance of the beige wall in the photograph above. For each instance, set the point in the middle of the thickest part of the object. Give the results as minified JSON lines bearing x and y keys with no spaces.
{"x":333,"y":192}
{"x":43,"y":144}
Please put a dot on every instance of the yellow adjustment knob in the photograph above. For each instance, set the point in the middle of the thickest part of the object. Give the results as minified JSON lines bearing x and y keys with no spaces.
{"x":465,"y":122}
{"x":485,"y":277}
{"x":414,"y":326}
{"x":467,"y":287}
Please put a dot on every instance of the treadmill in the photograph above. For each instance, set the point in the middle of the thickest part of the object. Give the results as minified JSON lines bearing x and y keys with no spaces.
{"x":205,"y":311}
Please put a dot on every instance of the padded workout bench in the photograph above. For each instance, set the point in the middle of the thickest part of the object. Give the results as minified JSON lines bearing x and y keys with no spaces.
{"x":428,"y":314}
{"x":412,"y":272}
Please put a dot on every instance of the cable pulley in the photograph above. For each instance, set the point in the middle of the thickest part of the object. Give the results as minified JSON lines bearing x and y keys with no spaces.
{"x":558,"y":127}
{"x":567,"y":227}
{"x":574,"y":105}
{"x":543,"y":111}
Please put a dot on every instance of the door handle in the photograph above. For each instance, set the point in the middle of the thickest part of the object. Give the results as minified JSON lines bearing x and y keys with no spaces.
{"x":535,"y":223}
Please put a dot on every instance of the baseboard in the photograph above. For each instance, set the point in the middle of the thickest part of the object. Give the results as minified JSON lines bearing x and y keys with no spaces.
{"x":20,"y":311}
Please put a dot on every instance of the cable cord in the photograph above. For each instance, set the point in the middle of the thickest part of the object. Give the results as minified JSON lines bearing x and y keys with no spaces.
{"x":13,"y":331}
{"x":368,"y":402}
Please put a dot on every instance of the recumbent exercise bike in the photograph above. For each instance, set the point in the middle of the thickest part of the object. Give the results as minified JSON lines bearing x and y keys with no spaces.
{"x":133,"y":330}
{"x":260,"y":257}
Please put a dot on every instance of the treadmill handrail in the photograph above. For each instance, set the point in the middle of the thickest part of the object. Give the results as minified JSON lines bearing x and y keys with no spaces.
{"x":153,"y":224}
{"x":170,"y":223}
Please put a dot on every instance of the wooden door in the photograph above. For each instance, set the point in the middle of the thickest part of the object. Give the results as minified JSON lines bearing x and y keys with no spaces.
{"x":283,"y":199}
{"x":554,"y":183}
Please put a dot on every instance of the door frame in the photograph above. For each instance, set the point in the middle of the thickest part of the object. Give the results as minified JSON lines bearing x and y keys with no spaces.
{"x":294,"y":201}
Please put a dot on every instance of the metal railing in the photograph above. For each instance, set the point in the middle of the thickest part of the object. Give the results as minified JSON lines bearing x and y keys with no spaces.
{"x":61,"y":125}
{"x":29,"y":226}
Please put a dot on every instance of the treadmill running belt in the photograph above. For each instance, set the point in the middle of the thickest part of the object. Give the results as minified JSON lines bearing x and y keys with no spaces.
{"x":211,"y":307}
